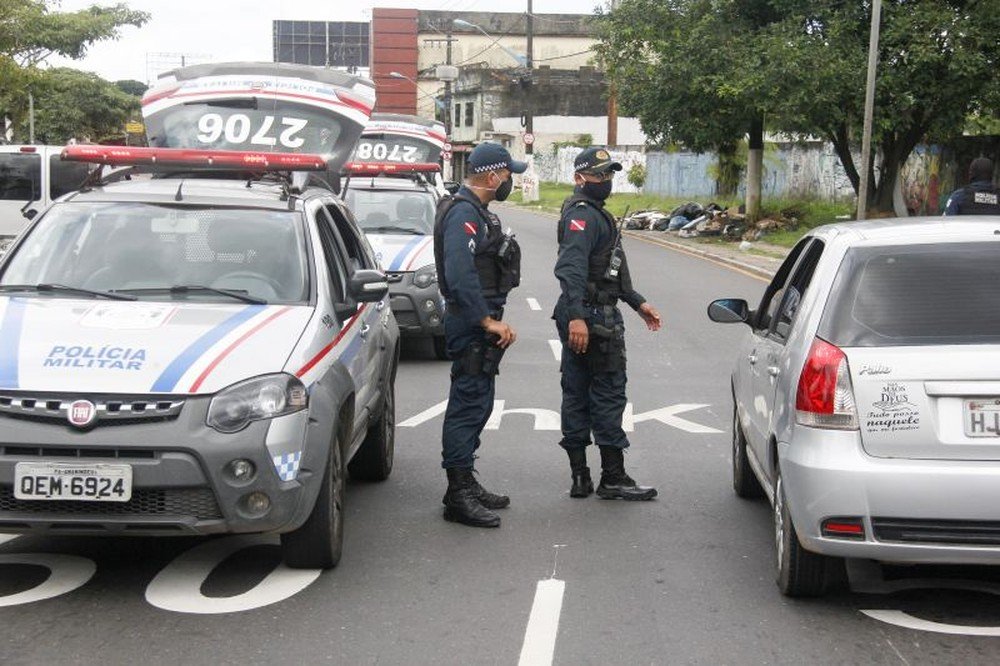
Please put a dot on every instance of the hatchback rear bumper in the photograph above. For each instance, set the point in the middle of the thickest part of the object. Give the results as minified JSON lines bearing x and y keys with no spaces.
{"x":928,"y":511}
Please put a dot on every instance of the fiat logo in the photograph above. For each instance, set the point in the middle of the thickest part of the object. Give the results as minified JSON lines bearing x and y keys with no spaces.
{"x":82,"y":413}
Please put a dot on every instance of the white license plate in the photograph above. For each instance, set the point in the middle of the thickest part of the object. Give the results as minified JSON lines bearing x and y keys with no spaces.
{"x":65,"y":481}
{"x":981,"y":417}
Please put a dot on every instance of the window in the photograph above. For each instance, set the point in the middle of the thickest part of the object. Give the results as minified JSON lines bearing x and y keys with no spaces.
{"x":916,"y":295}
{"x":358,"y":251}
{"x":20,"y":176}
{"x":65,"y":177}
{"x":458,"y":114}
{"x":774,"y":293}
{"x":781,"y":326}
{"x":470,"y":109}
{"x":333,"y":253}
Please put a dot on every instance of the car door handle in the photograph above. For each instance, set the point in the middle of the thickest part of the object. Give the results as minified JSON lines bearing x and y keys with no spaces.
{"x":364,"y":330}
{"x":752,"y":357}
{"x":773,"y":370}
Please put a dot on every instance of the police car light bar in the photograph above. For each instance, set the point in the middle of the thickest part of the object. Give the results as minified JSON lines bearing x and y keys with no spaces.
{"x":216,"y":159}
{"x":390,"y":167}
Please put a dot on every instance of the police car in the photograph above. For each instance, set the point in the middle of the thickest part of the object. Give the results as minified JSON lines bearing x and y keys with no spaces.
{"x":393,"y":185}
{"x":195,"y":352}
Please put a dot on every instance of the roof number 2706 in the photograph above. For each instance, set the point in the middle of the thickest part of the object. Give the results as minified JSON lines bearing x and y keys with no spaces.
{"x":238,"y":128}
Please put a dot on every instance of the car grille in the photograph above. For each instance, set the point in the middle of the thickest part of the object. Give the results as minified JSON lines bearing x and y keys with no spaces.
{"x":906,"y":530}
{"x":198,"y":502}
{"x":22,"y":451}
{"x":110,"y":409}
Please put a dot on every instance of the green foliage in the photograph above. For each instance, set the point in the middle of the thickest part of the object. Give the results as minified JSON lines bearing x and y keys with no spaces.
{"x":132,"y":87}
{"x":70,"y":104}
{"x":581,"y":141}
{"x":637,"y":176}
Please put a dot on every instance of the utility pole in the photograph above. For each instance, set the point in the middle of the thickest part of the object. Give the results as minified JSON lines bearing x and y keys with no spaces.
{"x":447,"y":85}
{"x":529,"y":125}
{"x":866,"y":139}
{"x":31,"y":119}
{"x":612,"y":100}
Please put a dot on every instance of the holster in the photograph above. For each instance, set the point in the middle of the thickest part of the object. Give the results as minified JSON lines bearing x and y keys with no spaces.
{"x":482,"y":358}
{"x":606,"y":349}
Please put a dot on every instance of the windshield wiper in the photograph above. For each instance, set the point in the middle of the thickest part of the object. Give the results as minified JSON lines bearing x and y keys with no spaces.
{"x":188,"y":288}
{"x":404,"y":230}
{"x":44,"y":287}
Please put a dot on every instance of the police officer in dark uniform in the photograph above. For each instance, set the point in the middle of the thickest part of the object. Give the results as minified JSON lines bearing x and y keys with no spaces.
{"x":593,"y":274}
{"x":477,"y":265}
{"x":980,"y":196}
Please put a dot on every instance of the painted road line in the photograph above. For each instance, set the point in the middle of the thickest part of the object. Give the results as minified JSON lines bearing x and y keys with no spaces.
{"x":425,"y":415}
{"x":556,"y":347}
{"x":4,"y":538}
{"x":533,"y":304}
{"x":543,"y":624}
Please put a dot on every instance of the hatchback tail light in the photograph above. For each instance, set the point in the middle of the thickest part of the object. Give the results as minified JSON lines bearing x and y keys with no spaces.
{"x":825,"y":396}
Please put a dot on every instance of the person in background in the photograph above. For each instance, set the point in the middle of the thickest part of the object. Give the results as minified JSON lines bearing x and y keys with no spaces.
{"x":980,"y":196}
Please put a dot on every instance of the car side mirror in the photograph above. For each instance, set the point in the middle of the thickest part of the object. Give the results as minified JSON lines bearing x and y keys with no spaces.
{"x":451,"y":186}
{"x":367,"y":286}
{"x":729,"y":311}
{"x":29,"y":213}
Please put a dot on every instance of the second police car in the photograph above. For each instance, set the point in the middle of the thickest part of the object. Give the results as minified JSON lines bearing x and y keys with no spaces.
{"x":208,"y":349}
{"x":393,"y":185}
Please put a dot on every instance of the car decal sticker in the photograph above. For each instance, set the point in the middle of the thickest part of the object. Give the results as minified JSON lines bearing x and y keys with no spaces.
{"x":399,"y":258}
{"x":416,"y":254}
{"x":287,"y":465}
{"x":236,"y":343}
{"x":167,"y":381}
{"x":10,"y":342}
{"x":326,"y":350}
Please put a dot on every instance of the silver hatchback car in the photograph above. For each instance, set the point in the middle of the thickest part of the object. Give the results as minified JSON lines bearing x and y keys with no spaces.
{"x":867,"y":397}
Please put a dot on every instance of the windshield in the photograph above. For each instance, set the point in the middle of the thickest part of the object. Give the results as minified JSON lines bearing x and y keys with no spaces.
{"x":941,"y":294}
{"x":135,"y":246}
{"x":393,"y":211}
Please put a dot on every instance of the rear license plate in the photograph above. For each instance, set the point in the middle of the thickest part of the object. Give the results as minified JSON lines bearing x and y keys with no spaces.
{"x":61,"y":481}
{"x":982,"y":417}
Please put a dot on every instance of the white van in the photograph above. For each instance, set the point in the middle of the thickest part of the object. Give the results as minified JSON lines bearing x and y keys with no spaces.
{"x":33,"y":175}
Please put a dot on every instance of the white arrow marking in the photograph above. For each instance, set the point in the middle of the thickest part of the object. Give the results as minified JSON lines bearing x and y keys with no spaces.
{"x":543,"y":624}
{"x":545,"y":419}
{"x":556,"y":347}
{"x":425,"y":415}
{"x":4,"y":538}
{"x":533,"y":304}
{"x":667,"y":416}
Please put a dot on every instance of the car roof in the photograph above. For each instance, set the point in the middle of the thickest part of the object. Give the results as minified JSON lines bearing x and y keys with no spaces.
{"x":196,"y":191}
{"x":911,"y":230}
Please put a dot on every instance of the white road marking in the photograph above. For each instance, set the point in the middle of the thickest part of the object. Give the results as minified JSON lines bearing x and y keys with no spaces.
{"x":667,"y":416}
{"x":545,"y":419}
{"x":901,"y":619}
{"x":66,"y":573}
{"x":425,"y":415}
{"x":556,"y":347}
{"x":4,"y":538}
{"x":533,"y":304}
{"x":543,"y":624}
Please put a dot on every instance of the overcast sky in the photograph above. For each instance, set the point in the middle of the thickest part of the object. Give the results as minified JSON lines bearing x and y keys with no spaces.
{"x":241,"y":29}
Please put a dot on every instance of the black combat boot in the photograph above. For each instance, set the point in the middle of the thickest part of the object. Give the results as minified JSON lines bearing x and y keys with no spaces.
{"x":582,"y":484}
{"x":485,"y":497}
{"x":461,"y":504}
{"x":615,"y":483}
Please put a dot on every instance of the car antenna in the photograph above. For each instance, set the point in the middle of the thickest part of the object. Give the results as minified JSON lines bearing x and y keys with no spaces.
{"x":179,"y":196}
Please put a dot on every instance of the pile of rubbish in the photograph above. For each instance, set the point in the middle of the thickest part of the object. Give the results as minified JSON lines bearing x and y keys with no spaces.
{"x":693,"y":219}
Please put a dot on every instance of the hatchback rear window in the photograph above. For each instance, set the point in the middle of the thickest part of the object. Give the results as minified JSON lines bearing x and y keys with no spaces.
{"x":20,"y":176}
{"x":943,"y":294}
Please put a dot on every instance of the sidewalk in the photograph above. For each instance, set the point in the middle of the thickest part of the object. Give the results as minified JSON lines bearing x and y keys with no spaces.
{"x":760,"y":259}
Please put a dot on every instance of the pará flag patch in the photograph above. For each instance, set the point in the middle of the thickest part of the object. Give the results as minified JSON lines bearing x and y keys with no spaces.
{"x":470,"y":228}
{"x":577,"y":225}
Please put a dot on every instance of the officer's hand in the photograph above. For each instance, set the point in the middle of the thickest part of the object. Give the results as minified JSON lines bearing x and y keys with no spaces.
{"x":578,"y":335}
{"x":650,"y":316}
{"x":504,"y":331}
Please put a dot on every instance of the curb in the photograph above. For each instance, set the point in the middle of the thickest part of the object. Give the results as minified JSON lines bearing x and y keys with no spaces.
{"x":756,"y":271}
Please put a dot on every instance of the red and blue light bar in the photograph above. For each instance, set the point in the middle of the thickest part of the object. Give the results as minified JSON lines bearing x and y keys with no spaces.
{"x":189,"y":157}
{"x":391,"y":167}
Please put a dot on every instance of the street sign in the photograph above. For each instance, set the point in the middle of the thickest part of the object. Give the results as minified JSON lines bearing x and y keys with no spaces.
{"x":528,"y":138}
{"x":135,"y":128}
{"x":446,"y":147}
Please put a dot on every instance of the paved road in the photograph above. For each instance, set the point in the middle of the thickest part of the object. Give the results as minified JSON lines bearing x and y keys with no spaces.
{"x":684,"y":579}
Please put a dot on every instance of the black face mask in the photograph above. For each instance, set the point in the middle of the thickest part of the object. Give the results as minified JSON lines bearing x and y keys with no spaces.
{"x":599,"y":191}
{"x":504,"y":190}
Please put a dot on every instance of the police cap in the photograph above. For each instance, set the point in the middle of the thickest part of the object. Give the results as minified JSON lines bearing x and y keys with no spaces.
{"x":493,"y":157}
{"x":595,"y":160}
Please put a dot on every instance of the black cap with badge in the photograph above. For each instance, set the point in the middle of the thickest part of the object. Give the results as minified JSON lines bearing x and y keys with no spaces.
{"x":493,"y":157}
{"x":595,"y":160}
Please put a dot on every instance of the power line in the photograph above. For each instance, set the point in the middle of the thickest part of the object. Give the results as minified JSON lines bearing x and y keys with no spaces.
{"x":568,"y":55}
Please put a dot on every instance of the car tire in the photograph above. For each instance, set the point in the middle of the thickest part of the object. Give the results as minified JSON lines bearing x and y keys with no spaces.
{"x":745,"y":482}
{"x":440,"y":347}
{"x":373,"y":460}
{"x":319,"y":542}
{"x":801,"y":573}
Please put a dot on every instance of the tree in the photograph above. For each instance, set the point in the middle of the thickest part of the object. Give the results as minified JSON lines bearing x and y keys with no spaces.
{"x":30,"y":32}
{"x":70,"y":104}
{"x":132,"y":87}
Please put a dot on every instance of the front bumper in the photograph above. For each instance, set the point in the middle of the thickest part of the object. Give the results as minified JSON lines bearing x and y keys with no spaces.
{"x":913,"y":511}
{"x":179,"y":483}
{"x":418,"y":311}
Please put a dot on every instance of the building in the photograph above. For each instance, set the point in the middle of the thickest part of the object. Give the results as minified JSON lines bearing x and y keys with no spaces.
{"x":339,"y":44}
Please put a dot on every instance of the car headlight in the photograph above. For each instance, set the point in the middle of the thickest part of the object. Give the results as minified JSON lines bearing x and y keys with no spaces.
{"x":426,"y":276}
{"x":266,"y":397}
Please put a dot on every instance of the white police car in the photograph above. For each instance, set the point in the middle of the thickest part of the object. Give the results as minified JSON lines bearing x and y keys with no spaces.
{"x":194,"y":354}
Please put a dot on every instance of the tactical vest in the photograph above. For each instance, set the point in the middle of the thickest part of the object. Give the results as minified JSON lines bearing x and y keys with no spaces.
{"x":497,"y":261}
{"x":980,"y":202}
{"x":597,"y":263}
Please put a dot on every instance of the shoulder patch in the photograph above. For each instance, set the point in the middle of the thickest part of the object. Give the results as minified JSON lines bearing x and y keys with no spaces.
{"x":471,"y":228}
{"x":577,"y":225}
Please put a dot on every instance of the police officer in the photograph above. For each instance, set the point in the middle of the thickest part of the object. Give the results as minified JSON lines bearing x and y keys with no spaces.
{"x":980,"y":196}
{"x":593,"y":274}
{"x":477,"y":265}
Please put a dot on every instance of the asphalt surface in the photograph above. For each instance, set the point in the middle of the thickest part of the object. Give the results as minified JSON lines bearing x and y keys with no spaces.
{"x":687,"y":578}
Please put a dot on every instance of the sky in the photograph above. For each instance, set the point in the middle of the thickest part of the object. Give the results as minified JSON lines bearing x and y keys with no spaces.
{"x":224,"y":30}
